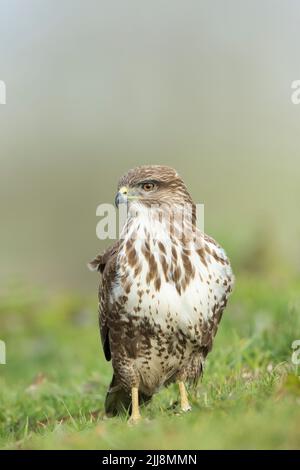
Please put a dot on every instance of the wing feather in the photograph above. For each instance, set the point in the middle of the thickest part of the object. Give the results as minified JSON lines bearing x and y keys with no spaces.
{"x":105,"y":263}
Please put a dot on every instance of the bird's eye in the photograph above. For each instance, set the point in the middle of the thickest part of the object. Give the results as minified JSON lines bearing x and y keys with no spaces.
{"x":148,"y":186}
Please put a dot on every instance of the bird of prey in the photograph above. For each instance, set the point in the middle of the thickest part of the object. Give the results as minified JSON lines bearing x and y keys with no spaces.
{"x":164,"y":286}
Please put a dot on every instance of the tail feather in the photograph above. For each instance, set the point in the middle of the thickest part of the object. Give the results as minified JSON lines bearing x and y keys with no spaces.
{"x":118,"y":400}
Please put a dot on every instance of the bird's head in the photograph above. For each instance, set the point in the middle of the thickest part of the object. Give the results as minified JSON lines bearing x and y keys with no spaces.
{"x":152,"y":185}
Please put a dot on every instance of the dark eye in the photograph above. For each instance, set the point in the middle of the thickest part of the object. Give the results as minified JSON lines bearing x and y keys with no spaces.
{"x":148,"y":186}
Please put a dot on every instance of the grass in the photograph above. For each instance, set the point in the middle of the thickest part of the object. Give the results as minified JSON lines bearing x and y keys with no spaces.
{"x":54,"y":383}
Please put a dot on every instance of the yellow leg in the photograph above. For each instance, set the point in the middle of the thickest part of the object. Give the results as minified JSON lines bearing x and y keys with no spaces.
{"x":135,"y":413}
{"x":184,"y":402}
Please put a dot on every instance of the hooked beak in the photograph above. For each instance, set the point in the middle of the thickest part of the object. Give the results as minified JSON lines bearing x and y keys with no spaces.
{"x":121,"y":196}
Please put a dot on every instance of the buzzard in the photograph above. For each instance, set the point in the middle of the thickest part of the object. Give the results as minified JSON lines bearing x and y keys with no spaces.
{"x":164,"y":286}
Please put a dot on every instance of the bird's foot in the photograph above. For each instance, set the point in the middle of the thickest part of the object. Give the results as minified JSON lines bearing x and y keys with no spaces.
{"x":186,"y":407}
{"x":135,"y":413}
{"x":184,"y":401}
{"x":134,"y":419}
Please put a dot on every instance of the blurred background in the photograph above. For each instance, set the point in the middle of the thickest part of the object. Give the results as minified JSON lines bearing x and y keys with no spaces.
{"x":97,"y":87}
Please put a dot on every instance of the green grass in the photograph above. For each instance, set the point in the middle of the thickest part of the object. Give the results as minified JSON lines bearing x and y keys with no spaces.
{"x":54,"y":383}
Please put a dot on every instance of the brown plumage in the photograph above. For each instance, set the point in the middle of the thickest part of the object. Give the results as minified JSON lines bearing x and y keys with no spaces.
{"x":164,"y":288}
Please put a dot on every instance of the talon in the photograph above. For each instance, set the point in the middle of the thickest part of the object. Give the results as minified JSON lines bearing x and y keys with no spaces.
{"x":186,"y":408}
{"x":133,"y":420}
